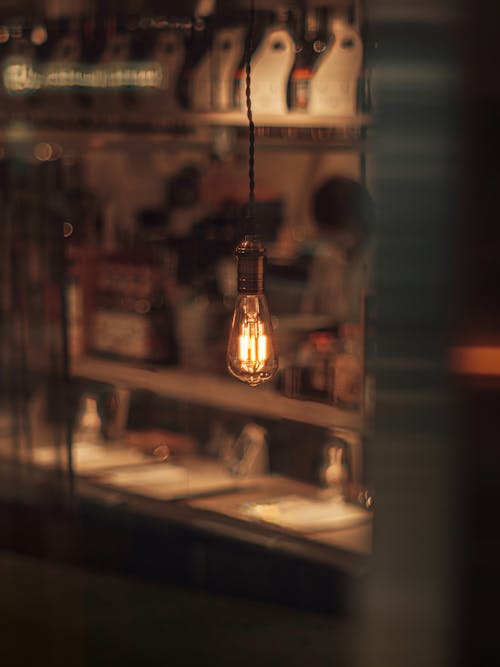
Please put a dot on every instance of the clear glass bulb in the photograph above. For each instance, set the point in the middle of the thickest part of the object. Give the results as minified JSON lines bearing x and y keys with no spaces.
{"x":251,"y":354}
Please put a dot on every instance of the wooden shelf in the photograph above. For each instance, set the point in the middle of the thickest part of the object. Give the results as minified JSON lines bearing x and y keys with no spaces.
{"x":292,"y":119}
{"x":196,"y":131}
{"x":189,"y":119}
{"x":215,"y":391}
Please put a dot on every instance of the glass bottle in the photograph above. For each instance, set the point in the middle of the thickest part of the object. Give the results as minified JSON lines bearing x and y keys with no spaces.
{"x":347,"y":369}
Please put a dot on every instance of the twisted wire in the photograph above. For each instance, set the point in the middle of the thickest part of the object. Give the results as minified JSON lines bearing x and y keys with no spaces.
{"x":251,"y":126}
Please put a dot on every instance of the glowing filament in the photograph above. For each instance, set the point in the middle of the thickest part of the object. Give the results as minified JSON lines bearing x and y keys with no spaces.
{"x":252,"y":345}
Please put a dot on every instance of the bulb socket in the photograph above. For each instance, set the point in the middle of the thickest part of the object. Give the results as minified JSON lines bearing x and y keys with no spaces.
{"x":250,"y":254}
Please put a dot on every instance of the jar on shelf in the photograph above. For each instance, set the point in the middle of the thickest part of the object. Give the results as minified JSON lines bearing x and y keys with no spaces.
{"x":299,"y":87}
{"x":347,"y":368}
{"x":315,"y":359}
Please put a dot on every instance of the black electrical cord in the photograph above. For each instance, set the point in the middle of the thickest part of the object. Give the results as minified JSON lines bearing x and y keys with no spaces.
{"x":250,"y":218}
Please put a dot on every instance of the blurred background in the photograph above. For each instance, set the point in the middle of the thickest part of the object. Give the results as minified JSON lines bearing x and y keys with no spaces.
{"x":154,"y":508}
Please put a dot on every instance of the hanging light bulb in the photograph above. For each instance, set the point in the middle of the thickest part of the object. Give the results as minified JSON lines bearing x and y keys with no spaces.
{"x":251,"y":354}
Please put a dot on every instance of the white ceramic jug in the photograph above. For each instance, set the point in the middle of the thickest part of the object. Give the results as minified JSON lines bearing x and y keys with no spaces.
{"x":168,"y":53}
{"x":271,"y":66}
{"x":227,"y":51}
{"x":334,"y":83}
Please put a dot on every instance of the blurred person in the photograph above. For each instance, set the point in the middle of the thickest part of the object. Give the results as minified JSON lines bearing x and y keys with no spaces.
{"x":341,"y":268}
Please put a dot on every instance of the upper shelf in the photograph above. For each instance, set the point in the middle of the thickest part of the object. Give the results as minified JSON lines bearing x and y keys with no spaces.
{"x":292,"y":119}
{"x":214,"y":391}
{"x":292,"y":131}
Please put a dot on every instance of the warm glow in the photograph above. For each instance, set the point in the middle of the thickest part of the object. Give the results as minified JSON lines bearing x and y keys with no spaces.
{"x":253,"y":348}
{"x":46,"y":152}
{"x":475,"y":360}
{"x":251,"y":356}
{"x":39,"y":35}
{"x":43,"y":151}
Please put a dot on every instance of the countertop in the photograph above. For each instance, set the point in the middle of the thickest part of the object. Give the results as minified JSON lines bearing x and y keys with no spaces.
{"x":205,"y":539}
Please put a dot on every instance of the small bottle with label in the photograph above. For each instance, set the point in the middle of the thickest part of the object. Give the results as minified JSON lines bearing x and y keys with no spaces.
{"x":309,"y":48}
{"x":347,"y":369}
{"x":299,"y":81}
{"x":315,"y":360}
{"x":300,"y":75}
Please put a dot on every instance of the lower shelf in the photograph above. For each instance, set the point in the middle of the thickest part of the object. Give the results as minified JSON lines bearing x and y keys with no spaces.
{"x":211,"y":390}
